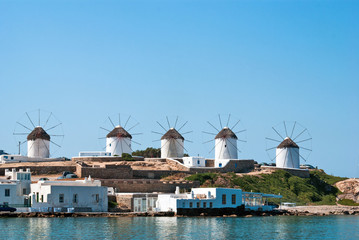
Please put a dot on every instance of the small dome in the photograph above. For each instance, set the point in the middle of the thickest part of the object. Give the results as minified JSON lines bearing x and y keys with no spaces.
{"x":119,"y":132}
{"x":38,"y":133}
{"x":288,"y":143}
{"x":172,"y":134}
{"x":226,"y":133}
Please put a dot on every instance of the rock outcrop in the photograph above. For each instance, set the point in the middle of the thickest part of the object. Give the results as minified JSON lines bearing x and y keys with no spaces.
{"x":349,"y":189}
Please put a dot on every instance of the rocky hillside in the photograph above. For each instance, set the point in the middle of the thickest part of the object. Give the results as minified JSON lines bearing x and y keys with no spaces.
{"x":319,"y":189}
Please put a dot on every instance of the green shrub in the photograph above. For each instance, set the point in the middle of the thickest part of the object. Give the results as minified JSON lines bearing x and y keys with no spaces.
{"x":348,"y":202}
{"x":112,"y":204}
{"x":202,"y":177}
{"x":127,"y":157}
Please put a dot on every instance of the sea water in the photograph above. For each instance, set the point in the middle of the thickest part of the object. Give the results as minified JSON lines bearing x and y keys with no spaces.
{"x":277,"y":227}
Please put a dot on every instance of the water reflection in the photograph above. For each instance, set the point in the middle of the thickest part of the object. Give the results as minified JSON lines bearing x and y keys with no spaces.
{"x":281,"y":227}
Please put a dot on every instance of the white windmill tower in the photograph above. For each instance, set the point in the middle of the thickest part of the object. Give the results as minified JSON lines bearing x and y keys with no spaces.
{"x":38,"y":143}
{"x":288,"y":153}
{"x":225,"y":141}
{"x":39,"y":139}
{"x":172,"y":141}
{"x":226,"y":144}
{"x":119,"y":140}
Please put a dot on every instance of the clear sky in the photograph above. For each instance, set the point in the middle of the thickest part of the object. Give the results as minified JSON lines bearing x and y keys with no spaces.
{"x":261,"y":61}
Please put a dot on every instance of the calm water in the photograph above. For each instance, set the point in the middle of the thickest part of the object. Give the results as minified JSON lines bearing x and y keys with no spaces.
{"x":280,"y":227}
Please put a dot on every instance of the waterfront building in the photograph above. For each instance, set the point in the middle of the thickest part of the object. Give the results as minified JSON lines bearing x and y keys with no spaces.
{"x":137,"y":202}
{"x":214,"y":201}
{"x":80,"y":196}
{"x":14,"y":190}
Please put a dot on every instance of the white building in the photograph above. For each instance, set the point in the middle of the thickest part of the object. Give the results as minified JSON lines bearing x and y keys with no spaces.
{"x":19,"y":158}
{"x":194,"y":161}
{"x":172,"y":144}
{"x":94,"y":154}
{"x":214,"y":200}
{"x":81,"y":195}
{"x":226,"y":144}
{"x":287,"y":154}
{"x":14,"y":191}
{"x":118,"y":141}
{"x":38,"y":143}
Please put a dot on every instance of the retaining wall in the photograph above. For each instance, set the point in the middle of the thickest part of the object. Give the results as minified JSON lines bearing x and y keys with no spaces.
{"x":147,"y":185}
{"x":107,"y":172}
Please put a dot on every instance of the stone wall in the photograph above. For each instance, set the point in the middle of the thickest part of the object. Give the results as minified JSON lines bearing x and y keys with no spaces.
{"x":147,"y":185}
{"x":103,"y":159}
{"x":154,"y":174}
{"x":209,"y":162}
{"x":42,"y":170}
{"x":106,"y":172}
{"x":238,"y":166}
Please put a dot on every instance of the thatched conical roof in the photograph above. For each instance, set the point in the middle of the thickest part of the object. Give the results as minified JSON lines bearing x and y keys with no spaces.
{"x":38,"y":133}
{"x":288,"y":143}
{"x":119,"y":132}
{"x":172,"y":134}
{"x":226,"y":133}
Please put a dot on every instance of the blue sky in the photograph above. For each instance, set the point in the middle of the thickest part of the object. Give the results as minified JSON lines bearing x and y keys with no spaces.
{"x":261,"y":61}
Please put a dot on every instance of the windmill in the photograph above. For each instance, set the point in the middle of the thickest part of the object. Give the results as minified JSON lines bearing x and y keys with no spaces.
{"x":119,"y":139}
{"x":39,"y":137}
{"x":291,"y":142}
{"x":172,"y":141}
{"x":225,"y":138}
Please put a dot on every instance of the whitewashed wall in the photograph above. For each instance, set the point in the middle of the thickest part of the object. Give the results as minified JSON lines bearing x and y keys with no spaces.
{"x":86,"y":196}
{"x":38,"y":148}
{"x":172,"y":148}
{"x":117,"y":146}
{"x":287,"y":158}
{"x":226,"y":148}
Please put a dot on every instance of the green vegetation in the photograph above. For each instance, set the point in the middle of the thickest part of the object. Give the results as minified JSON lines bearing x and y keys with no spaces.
{"x":126,"y":157}
{"x":316,"y":190}
{"x":148,"y":153}
{"x":348,"y":202}
{"x":112,"y":204}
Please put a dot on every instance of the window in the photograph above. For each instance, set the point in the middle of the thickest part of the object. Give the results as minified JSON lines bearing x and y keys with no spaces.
{"x":204,"y":204}
{"x":198,"y":162}
{"x":233,"y":198}
{"x":74,"y":199}
{"x":42,"y":198}
{"x":7,"y":192}
{"x":61,"y":198}
{"x":183,"y":204}
{"x":235,"y":165}
{"x":37,"y":197}
{"x":211,"y":204}
{"x":97,"y":198}
{"x":191,"y":204}
{"x":224,"y":198}
{"x":24,"y":191}
{"x":197,"y":204}
{"x":220,"y":165}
